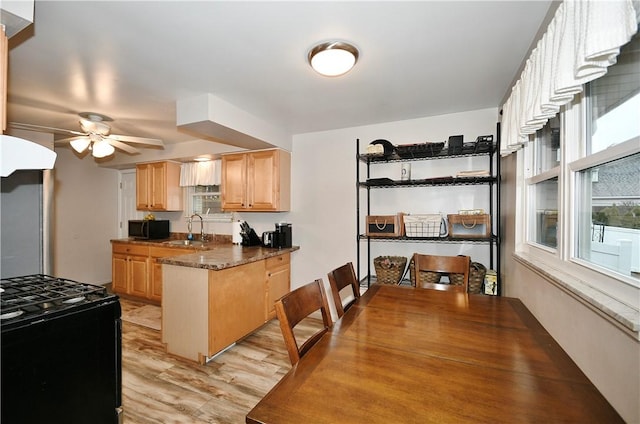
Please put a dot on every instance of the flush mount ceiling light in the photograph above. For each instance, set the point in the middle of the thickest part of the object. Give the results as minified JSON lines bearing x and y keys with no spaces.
{"x":333,"y":58}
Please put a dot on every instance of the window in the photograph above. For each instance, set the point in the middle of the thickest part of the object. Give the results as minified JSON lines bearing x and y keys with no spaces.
{"x":206,"y":202}
{"x":582,"y":185}
{"x":608,"y":215}
{"x":543,"y":186}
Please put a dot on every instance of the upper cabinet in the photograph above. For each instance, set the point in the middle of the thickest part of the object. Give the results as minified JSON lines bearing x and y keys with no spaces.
{"x":4,"y":57}
{"x":258,"y":181}
{"x":158,"y":186}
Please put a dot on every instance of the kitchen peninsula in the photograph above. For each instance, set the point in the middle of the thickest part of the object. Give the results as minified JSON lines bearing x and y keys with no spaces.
{"x":215,"y":297}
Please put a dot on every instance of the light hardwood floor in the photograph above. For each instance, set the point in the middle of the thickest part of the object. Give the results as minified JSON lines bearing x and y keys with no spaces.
{"x":159,"y":388}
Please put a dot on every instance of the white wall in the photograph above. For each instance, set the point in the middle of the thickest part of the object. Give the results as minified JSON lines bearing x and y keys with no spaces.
{"x":324,"y":190}
{"x":85,"y":217}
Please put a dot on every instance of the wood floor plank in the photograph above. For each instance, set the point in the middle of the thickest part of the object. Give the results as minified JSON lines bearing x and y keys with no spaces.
{"x":161,"y":388}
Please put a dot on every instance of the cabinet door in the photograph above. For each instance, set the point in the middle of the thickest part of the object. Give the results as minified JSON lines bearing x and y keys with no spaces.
{"x":234,"y":182}
{"x":138,"y":272}
{"x":143,"y":194}
{"x":4,"y":53}
{"x":158,"y":184}
{"x":155,"y":281}
{"x":154,"y":290}
{"x":262,"y":180}
{"x":119,"y":275}
{"x":236,"y":303}
{"x":278,"y":281}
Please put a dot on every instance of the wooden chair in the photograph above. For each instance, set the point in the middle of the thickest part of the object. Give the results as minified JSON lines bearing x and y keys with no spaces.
{"x":296,"y":306}
{"x":443,"y":264}
{"x":339,"y":278}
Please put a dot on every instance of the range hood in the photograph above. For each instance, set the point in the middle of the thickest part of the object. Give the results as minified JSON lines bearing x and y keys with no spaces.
{"x":17,"y":153}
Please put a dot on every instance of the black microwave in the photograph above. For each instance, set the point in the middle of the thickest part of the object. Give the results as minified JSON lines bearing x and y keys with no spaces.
{"x":149,"y":229}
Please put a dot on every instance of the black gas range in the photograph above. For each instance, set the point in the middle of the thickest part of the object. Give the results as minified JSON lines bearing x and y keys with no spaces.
{"x":61,"y":351}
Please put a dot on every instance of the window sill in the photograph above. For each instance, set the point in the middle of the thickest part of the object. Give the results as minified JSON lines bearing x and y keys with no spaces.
{"x":621,"y":313}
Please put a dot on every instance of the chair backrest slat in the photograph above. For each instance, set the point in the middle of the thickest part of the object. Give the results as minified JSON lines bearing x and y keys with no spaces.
{"x":339,"y":278}
{"x":296,"y":306}
{"x":443,"y":264}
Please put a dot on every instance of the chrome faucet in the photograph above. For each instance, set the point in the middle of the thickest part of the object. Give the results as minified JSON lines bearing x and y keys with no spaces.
{"x":202,"y":236}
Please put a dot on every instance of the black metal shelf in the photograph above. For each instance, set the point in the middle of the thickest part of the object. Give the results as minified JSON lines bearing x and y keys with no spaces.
{"x":465,"y":240}
{"x":492,"y":181}
{"x":428,"y":182}
{"x":394,"y":157}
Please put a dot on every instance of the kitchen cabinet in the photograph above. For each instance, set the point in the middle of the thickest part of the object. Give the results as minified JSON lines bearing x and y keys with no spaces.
{"x":154,"y":291}
{"x":4,"y":59}
{"x":235,"y":303}
{"x":136,"y":271}
{"x":204,"y":311}
{"x":158,"y":186}
{"x":256,"y":181}
{"x":491,"y":182}
{"x":278,"y":279}
{"x":130,"y":269}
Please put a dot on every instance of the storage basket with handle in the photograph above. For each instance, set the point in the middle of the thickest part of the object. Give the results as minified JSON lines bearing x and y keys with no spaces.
{"x":425,"y":225}
{"x":469,"y":226}
{"x":389,"y":269}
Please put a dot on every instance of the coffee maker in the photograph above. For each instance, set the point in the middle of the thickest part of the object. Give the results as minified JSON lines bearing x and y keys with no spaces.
{"x":279,"y":238}
{"x":282,"y":235}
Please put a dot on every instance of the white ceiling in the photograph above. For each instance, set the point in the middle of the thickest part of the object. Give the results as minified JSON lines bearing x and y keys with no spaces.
{"x":133,"y":60}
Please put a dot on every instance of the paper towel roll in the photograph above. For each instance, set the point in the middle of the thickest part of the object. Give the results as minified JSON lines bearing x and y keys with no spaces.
{"x":236,"y":238}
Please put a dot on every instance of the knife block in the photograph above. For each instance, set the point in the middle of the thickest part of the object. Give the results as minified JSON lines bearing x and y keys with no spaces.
{"x":251,"y":239}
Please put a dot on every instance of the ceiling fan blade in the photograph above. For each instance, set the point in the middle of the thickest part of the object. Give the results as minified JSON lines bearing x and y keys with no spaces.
{"x":141,"y":140}
{"x":41,"y":128}
{"x":122,"y":146}
{"x":70,"y":139}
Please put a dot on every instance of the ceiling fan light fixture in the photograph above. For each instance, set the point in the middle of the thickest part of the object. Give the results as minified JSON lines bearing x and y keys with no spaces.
{"x":333,"y":58}
{"x":102,"y":149}
{"x":80,"y":144}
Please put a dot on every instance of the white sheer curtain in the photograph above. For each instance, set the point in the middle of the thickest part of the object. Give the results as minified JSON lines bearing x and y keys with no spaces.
{"x":200,"y":173}
{"x":581,"y":42}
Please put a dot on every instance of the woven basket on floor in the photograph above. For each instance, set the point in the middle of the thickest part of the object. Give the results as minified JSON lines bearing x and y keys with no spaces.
{"x":476,"y":277}
{"x":389,"y":269}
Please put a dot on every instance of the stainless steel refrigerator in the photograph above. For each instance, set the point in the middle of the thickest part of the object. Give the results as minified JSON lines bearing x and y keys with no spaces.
{"x":25,"y":223}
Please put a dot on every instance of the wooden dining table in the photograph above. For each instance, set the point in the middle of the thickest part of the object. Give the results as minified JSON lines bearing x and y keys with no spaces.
{"x":411,"y":355}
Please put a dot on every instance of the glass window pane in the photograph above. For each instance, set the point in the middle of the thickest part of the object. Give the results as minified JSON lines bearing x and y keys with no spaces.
{"x":548,"y":146}
{"x":608,"y":232}
{"x":615,"y":101}
{"x":206,"y":201}
{"x":544,"y":229}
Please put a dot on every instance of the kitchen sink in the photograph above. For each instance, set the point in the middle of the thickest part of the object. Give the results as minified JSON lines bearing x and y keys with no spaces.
{"x":190,"y":243}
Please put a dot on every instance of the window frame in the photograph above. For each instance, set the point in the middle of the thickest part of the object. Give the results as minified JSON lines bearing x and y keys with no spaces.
{"x":190,"y":193}
{"x":586,"y":279}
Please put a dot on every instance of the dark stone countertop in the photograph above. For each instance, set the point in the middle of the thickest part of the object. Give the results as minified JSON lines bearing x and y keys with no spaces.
{"x":222,"y":256}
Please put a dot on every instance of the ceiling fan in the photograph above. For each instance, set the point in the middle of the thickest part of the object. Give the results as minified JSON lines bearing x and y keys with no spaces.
{"x":95,"y":135}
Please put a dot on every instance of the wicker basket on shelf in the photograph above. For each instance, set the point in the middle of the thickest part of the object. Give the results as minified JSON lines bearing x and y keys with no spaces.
{"x":389,"y":269}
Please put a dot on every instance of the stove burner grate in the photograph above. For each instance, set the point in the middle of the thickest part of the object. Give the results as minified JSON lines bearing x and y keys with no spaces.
{"x":41,"y":294}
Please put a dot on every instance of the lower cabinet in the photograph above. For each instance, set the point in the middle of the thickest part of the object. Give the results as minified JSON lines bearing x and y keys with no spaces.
{"x":130,"y":270}
{"x":278,"y":270}
{"x":136,"y":271}
{"x":206,"y":311}
{"x":154,"y":288}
